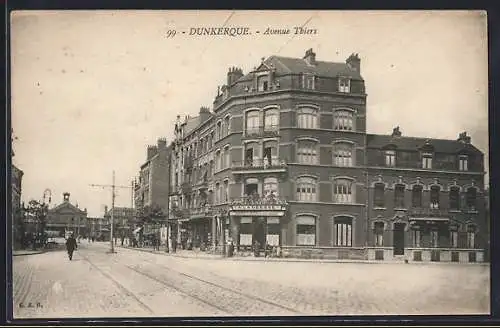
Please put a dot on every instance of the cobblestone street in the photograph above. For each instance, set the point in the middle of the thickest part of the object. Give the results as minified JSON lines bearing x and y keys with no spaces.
{"x":135,"y":283}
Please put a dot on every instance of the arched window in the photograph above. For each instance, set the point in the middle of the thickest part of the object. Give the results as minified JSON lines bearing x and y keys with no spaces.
{"x":343,"y":231}
{"x":307,"y":118}
{"x":227,"y":125}
{"x":306,"y":152}
{"x":454,"y":198}
{"x":379,"y":195}
{"x":306,"y":230}
{"x":270,"y":187}
{"x":471,"y":198}
{"x":306,"y":189}
{"x":399,"y":196}
{"x":252,"y":122}
{"x":471,"y":236}
{"x":343,"y":120}
{"x":342,"y":191}
{"x":435,"y":190}
{"x":227,"y":157}
{"x":343,"y":154}
{"x":378,"y":231}
{"x":219,"y":130}
{"x":218,"y":162}
{"x":271,"y":119}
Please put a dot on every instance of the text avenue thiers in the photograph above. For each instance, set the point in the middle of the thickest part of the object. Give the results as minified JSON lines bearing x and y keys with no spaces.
{"x":236,"y":31}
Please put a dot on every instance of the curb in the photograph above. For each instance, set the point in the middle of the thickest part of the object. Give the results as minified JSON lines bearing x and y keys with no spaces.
{"x":297,"y":260}
{"x":27,"y":254}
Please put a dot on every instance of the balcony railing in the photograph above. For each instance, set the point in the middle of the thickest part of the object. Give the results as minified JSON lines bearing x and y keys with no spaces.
{"x":262,"y":131}
{"x":428,"y":212}
{"x":260,"y":164}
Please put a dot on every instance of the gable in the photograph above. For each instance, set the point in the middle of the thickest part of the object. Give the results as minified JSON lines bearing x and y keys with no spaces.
{"x":66,"y":208}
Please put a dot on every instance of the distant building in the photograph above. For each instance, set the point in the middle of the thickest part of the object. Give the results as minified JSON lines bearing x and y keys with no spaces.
{"x":151,"y":189}
{"x":98,"y":228}
{"x":67,"y":217}
{"x":284,"y":159}
{"x":123,"y":218}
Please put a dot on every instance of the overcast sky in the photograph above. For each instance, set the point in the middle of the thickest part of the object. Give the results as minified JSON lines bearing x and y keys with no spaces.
{"x":91,"y":89}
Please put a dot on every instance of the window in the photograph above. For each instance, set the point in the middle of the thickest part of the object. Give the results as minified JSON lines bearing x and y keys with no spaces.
{"x":453,"y":237}
{"x":471,"y":236}
{"x":463,"y":163}
{"x":308,"y":81}
{"x":263,"y":83}
{"x":306,"y":152}
{"x":454,"y":199}
{"x":270,"y":187}
{"x":434,"y":238}
{"x":306,"y":230}
{"x":427,"y":161}
{"x":379,"y":191}
{"x":307,"y":118}
{"x":344,"y":85}
{"x":416,"y":237}
{"x":416,"y":196}
{"x":225,"y":194}
{"x":399,"y":196}
{"x":379,"y":233}
{"x":390,"y":158}
{"x":471,"y":199}
{"x":252,"y":122}
{"x":306,"y":189}
{"x":342,"y":191}
{"x":219,"y":131}
{"x":246,"y":230}
{"x":217,"y":193}
{"x":343,"y":231}
{"x":271,"y":119}
{"x":343,"y":154}
{"x":227,"y":157}
{"x":343,"y":120}
{"x":218,"y":161}
{"x":226,"y":125}
{"x":435,"y":197}
{"x":270,"y":155}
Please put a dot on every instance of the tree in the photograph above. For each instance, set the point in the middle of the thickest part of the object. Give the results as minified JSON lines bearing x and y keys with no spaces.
{"x":37,"y":212}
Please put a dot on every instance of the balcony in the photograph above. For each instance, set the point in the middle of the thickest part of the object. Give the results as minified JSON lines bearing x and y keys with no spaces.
{"x":258,"y":206}
{"x":261,"y":131}
{"x":426,"y":212}
{"x":259,"y":166}
{"x":200,"y":212}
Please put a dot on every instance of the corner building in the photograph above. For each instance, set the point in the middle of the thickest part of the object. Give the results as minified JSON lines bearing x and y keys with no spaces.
{"x":284,"y":159}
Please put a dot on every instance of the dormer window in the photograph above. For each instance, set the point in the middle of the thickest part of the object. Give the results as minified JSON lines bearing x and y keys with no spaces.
{"x":427,"y":160}
{"x":390,"y":158}
{"x":344,"y":84}
{"x":463,"y":164}
{"x":263,"y":83}
{"x":308,"y":81}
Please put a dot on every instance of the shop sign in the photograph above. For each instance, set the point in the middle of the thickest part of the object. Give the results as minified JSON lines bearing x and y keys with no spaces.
{"x":257,"y":213}
{"x":257,"y":207}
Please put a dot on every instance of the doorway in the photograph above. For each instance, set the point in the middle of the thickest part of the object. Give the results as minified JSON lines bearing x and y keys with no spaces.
{"x":259,"y":232}
{"x":399,"y":238}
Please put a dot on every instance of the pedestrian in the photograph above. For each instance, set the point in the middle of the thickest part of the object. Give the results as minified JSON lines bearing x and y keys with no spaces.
{"x":71,"y":245}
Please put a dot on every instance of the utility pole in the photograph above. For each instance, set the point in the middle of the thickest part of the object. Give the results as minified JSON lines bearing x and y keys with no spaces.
{"x":113,"y":187}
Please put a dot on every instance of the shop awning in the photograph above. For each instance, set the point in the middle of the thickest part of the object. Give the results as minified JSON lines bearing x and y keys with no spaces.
{"x":137,"y":230}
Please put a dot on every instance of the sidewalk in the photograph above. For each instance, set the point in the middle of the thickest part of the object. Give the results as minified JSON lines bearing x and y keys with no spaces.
{"x":205,"y":256}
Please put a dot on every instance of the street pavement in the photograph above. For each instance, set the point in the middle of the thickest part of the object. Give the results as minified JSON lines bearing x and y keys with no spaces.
{"x":131,"y":283}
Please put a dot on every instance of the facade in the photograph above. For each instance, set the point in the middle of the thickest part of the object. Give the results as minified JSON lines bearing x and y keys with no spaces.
{"x":151,"y":189}
{"x":123,"y":218}
{"x":284,"y":159}
{"x":67,"y":217}
{"x":98,"y":228}
{"x":16,"y":184}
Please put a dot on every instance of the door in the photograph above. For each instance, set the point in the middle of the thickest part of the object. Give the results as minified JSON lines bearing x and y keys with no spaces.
{"x":399,"y":238}
{"x":259,"y":232}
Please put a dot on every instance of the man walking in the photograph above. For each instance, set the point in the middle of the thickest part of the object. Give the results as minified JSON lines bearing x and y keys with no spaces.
{"x":71,"y":245}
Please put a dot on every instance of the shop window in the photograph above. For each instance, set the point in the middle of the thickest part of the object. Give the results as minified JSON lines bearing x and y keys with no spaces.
{"x":379,"y":233}
{"x":343,"y":231}
{"x":246,"y":231}
{"x":306,"y":231}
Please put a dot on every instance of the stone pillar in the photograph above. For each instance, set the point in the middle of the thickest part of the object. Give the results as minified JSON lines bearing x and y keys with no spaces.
{"x":214,"y":231}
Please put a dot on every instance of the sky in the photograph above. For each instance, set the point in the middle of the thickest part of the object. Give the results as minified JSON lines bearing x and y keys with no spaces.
{"x":91,"y":89}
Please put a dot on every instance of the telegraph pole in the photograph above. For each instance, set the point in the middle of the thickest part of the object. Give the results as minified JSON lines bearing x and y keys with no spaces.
{"x":113,"y":187}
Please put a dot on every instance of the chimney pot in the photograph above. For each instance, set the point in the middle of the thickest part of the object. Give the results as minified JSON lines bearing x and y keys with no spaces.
{"x":310,"y":57}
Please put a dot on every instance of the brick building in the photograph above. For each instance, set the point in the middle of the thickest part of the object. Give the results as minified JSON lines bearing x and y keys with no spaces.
{"x":284,"y":159}
{"x":152,"y":186}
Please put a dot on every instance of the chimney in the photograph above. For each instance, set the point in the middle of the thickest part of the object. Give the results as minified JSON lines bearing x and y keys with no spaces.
{"x":204,"y":114}
{"x":233,"y":75}
{"x":66,"y":197}
{"x":354,"y":62}
{"x":464,"y":138}
{"x":396,"y":132}
{"x":310,"y":57}
{"x":152,"y":150}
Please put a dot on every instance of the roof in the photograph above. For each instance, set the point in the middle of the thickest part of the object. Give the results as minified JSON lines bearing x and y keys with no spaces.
{"x":191,"y":124}
{"x":414,"y":143}
{"x":68,"y":205}
{"x":122,"y":211}
{"x":289,"y":65}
